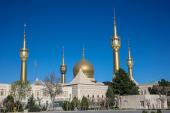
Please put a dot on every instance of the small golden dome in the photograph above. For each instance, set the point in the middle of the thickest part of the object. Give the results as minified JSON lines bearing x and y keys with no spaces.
{"x":86,"y":67}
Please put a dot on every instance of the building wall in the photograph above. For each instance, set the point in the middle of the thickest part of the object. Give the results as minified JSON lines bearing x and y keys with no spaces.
{"x":143,"y":102}
{"x":4,"y":92}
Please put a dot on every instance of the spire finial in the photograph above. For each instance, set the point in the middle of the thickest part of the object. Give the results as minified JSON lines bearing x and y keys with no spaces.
{"x":25,"y":27}
{"x":83,"y":52}
{"x":129,"y":54}
{"x":115,"y":30}
{"x":24,"y":44}
{"x":63,"y":55}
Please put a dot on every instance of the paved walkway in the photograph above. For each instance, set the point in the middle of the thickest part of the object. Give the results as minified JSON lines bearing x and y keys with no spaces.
{"x":112,"y":111}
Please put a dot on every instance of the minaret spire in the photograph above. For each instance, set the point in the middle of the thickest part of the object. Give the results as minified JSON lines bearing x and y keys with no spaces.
{"x":129,"y":53}
{"x":24,"y":43}
{"x":24,"y":57}
{"x":63,"y":68}
{"x":63,"y":56}
{"x":115,"y":30}
{"x":130,"y":63}
{"x":115,"y":47}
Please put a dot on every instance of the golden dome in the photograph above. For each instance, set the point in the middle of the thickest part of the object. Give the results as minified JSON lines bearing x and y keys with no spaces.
{"x":86,"y":67}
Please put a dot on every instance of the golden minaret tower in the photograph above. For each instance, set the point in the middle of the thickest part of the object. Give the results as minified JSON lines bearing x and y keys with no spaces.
{"x":115,"y":47}
{"x":24,"y":57}
{"x":130,"y":64}
{"x":63,"y":69}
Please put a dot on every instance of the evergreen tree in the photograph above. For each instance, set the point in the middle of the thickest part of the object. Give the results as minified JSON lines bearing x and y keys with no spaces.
{"x":162,"y":88}
{"x":110,"y":97}
{"x":19,"y":106}
{"x":8,"y":103}
{"x":74,"y":103}
{"x":122,"y":85}
{"x":66,"y":106}
{"x":31,"y":105}
{"x":84,"y":103}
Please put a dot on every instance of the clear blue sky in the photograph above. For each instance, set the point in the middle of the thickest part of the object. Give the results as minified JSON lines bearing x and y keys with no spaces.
{"x":73,"y":24}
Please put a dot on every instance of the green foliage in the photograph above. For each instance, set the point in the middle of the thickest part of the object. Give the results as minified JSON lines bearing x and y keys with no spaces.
{"x":75,"y":103}
{"x":152,"y":111}
{"x":168,"y":104}
{"x":19,"y":106}
{"x":144,"y":111}
{"x":66,"y":106}
{"x":162,"y":88}
{"x":31,"y":105}
{"x":159,"y":111}
{"x":8,"y":103}
{"x":122,"y":85}
{"x":163,"y":82}
{"x":110,"y":97}
{"x":84,"y":103}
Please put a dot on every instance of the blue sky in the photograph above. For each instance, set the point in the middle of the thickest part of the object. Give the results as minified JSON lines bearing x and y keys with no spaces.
{"x":73,"y":24}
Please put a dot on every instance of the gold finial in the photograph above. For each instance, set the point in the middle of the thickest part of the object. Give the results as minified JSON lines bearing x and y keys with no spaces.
{"x":129,"y":54}
{"x":115,"y":30}
{"x":24,"y":44}
{"x":63,"y":56}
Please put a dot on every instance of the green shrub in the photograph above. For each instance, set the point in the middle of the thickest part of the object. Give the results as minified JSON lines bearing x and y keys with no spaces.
{"x":144,"y":111}
{"x":8,"y":103}
{"x":75,"y":103}
{"x":31,"y":106}
{"x":66,"y":106}
{"x":84,"y":103}
{"x":19,"y":106}
{"x":159,"y":111}
{"x":152,"y":111}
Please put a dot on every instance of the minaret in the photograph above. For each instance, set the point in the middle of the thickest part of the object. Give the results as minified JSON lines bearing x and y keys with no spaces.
{"x":115,"y":47}
{"x":24,"y":57}
{"x":63,"y":69}
{"x":130,"y":64}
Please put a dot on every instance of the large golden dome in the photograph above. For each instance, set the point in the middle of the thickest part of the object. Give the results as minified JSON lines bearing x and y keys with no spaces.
{"x":86,"y":67}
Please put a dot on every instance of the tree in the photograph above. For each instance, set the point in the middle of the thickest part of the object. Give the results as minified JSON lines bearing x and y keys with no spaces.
{"x":20,"y":90}
{"x":122,"y":85}
{"x":66,"y":106}
{"x":163,"y":88}
{"x":52,"y":87}
{"x":84,"y":103}
{"x":110,"y":97}
{"x":31,"y":105}
{"x":8,"y":103}
{"x":19,"y":106}
{"x":75,"y":103}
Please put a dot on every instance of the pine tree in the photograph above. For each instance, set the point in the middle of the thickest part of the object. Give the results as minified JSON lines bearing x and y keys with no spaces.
{"x":122,"y":85}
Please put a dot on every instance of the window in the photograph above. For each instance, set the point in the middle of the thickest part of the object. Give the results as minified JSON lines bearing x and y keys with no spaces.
{"x":2,"y":92}
{"x":142,"y":103}
{"x":97,"y":96}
